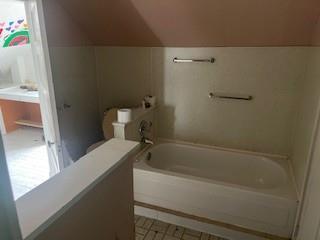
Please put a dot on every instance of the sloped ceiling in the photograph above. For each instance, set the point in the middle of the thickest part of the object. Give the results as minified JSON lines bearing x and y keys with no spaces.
{"x":190,"y":23}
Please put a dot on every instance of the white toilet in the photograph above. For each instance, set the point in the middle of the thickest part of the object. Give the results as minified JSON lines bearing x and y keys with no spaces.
{"x":128,"y":131}
{"x":110,"y":116}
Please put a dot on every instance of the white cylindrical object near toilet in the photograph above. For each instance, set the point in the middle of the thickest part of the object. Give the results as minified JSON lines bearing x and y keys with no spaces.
{"x":124,"y":115}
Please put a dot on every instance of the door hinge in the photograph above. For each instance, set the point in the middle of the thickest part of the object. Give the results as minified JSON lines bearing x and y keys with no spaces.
{"x":50,"y":143}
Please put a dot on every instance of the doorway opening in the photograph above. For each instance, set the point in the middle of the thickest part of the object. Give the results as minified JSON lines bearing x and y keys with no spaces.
{"x":26,"y":121}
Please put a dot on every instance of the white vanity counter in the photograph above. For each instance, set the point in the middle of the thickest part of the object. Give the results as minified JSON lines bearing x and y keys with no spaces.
{"x":44,"y":204}
{"x":17,"y":94}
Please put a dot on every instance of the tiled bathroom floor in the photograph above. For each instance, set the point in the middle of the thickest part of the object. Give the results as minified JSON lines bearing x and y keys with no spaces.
{"x":150,"y":229}
{"x":27,"y":159}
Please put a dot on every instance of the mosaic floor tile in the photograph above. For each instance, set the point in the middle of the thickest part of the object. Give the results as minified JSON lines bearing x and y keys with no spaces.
{"x":175,"y":231}
{"x":141,"y":231}
{"x":205,"y":236}
{"x":159,"y":226}
{"x":167,"y":237}
{"x":139,"y":237}
{"x":193,"y":233}
{"x":151,"y":229}
{"x":140,"y":221}
{"x":148,"y":223}
{"x":159,"y":236}
{"x":150,"y":235}
{"x":189,"y":237}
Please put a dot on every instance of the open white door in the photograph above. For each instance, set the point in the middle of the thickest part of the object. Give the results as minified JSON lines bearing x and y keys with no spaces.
{"x":44,"y":78}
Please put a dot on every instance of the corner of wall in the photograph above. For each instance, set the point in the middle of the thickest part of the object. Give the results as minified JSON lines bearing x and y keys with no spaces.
{"x":62,"y":29}
{"x":308,"y":113}
{"x":98,"y":83}
{"x":316,"y":34}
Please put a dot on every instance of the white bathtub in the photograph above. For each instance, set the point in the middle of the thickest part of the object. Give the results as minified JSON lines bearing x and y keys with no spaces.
{"x":242,"y":189}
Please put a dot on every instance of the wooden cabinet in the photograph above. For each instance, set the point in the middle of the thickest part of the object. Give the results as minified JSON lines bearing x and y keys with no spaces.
{"x":16,"y":113}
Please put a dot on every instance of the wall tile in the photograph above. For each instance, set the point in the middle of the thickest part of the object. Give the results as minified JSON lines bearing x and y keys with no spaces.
{"x":275,"y":76}
{"x":185,"y":112}
{"x":309,"y":94}
{"x":123,"y":75}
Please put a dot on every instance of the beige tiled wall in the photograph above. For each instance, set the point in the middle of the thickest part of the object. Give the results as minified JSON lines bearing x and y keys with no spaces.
{"x":271,"y":75}
{"x":124,"y":76}
{"x":284,"y":82}
{"x":307,"y":113}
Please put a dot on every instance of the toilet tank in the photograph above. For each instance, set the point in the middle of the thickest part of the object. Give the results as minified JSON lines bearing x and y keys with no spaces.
{"x":130,"y":130}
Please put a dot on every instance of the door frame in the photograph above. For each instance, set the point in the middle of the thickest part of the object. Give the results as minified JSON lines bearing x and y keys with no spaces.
{"x":49,"y":79}
{"x":9,"y":223}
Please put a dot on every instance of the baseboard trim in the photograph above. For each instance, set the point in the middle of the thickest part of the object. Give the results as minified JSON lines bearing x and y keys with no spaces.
{"x":210,"y":221}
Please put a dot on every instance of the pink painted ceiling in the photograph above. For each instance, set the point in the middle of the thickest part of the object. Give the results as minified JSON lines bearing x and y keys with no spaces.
{"x":191,"y":23}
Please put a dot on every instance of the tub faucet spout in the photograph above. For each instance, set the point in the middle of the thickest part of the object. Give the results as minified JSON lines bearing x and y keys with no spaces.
{"x":147,"y":140}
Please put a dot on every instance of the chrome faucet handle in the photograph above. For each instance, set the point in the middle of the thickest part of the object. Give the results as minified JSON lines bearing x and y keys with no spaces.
{"x":144,"y":126}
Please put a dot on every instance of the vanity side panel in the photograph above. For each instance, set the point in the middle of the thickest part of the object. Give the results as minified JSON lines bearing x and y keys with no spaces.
{"x":105,"y":212}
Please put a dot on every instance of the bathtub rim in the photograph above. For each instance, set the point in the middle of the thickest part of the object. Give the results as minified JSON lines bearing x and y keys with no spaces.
{"x":214,"y":147}
{"x":287,"y":192}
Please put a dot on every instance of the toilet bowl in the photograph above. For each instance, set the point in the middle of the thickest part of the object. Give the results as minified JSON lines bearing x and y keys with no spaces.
{"x":110,"y":116}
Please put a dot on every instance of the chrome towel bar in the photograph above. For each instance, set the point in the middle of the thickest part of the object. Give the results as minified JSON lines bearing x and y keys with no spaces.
{"x":178,"y":60}
{"x":231,"y":96}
